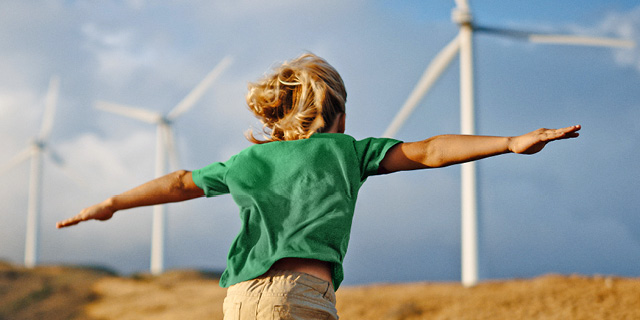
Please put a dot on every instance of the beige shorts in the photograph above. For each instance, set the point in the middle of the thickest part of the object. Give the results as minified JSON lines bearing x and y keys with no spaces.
{"x":281,"y":295}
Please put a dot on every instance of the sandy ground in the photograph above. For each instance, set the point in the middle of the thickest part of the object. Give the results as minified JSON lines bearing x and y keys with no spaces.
{"x":82,"y":293}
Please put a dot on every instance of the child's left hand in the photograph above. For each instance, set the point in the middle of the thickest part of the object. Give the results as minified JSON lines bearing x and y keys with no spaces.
{"x":535,"y":141}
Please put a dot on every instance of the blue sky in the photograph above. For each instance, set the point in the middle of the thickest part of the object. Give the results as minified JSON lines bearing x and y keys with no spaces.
{"x":571,"y":209}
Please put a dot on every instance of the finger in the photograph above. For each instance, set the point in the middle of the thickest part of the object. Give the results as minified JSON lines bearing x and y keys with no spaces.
{"x":69,"y":222}
{"x":559,"y":134}
{"x":571,"y":129}
{"x":570,"y":132}
{"x":66,"y":223}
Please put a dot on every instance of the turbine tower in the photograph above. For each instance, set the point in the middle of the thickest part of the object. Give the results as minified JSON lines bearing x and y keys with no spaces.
{"x":38,"y":146}
{"x":463,"y":44}
{"x":165,"y":146}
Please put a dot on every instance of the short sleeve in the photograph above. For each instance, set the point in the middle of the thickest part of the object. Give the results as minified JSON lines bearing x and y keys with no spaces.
{"x":211,"y":178}
{"x":370,"y":152}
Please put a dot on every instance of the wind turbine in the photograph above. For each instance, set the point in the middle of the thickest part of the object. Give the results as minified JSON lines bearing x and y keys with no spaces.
{"x":165,"y":146}
{"x":463,"y":45}
{"x":37,"y":147}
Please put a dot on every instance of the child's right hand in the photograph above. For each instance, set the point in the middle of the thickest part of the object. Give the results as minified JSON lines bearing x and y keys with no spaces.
{"x":101,"y":211}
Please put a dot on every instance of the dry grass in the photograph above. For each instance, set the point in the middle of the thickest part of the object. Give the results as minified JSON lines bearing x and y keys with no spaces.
{"x":89,"y":293}
{"x":50,"y":293}
{"x":174,"y":295}
{"x":548,"y":297}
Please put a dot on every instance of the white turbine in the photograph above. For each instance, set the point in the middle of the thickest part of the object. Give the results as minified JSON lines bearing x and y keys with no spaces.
{"x":462,"y":43}
{"x":37,"y":147}
{"x":165,"y":145}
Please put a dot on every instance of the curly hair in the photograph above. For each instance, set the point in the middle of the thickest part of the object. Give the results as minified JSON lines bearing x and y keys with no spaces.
{"x":299,"y":98}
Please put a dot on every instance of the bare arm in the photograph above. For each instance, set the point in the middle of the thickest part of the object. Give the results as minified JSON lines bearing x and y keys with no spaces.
{"x":173,"y":187}
{"x":445,"y":150}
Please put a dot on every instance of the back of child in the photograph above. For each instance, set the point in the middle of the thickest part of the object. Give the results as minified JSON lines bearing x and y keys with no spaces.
{"x":297,"y":187}
{"x":296,"y":191}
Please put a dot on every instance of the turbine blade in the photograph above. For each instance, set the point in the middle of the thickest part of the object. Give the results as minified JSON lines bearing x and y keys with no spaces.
{"x":131,"y":112}
{"x":55,"y":157}
{"x":558,"y":38}
{"x":429,"y":77}
{"x":170,"y":143}
{"x":582,"y":40}
{"x":22,"y":156}
{"x":50,"y":104}
{"x":197,"y":92}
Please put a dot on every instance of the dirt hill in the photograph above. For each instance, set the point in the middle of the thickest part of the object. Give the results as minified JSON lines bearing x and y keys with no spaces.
{"x":56,"y":292}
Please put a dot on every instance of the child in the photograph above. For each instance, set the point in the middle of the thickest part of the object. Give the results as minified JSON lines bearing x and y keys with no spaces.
{"x":296,"y":189}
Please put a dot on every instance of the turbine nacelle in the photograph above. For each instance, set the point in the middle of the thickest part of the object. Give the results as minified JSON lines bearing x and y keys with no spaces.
{"x":461,"y":16}
{"x":38,"y":144}
{"x":164,"y":121}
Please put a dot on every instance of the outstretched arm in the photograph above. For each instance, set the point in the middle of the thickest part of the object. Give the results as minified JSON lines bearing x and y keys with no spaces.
{"x":445,"y":150}
{"x":174,"y":187}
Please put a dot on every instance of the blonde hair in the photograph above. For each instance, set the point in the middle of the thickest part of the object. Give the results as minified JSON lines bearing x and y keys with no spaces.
{"x":299,"y":98}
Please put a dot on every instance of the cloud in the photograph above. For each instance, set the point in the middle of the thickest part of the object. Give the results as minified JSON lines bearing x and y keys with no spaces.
{"x":118,"y":53}
{"x":120,"y":159}
{"x":266,"y":10}
{"x":21,"y":112}
{"x":21,"y":104}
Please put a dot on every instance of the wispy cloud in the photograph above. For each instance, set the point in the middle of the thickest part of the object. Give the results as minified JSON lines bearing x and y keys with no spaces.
{"x":118,"y":53}
{"x":623,"y":25}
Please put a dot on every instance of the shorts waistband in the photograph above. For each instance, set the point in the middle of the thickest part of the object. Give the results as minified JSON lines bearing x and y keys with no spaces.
{"x":285,"y":280}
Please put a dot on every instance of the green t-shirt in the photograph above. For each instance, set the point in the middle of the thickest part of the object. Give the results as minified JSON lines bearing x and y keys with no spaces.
{"x":296,"y":199}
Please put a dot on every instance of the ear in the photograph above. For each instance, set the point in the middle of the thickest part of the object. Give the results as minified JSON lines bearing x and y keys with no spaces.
{"x":342,"y":118}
